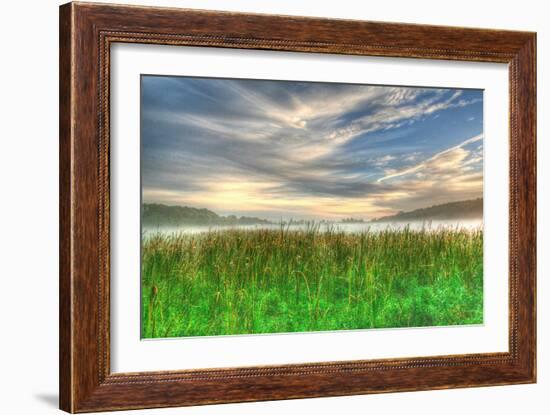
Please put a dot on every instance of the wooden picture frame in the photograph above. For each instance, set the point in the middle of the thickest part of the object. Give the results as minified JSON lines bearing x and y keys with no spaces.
{"x":86,"y":33}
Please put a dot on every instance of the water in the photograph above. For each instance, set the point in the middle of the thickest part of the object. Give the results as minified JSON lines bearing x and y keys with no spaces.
{"x":323,"y":227}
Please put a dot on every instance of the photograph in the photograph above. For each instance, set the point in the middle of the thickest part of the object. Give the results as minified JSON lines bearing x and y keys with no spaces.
{"x":275,"y":206}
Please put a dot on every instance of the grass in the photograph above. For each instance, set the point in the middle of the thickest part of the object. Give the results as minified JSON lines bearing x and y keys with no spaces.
{"x":269,"y":281}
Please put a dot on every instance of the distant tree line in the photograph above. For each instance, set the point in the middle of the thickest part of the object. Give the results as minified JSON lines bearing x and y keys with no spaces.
{"x":466,"y":209}
{"x":352,"y":220}
{"x":155,"y":214}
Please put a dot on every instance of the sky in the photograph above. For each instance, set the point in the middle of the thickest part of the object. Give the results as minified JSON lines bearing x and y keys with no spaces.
{"x":308,"y":150}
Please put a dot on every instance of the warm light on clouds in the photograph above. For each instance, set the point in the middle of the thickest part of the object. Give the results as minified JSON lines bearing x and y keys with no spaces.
{"x":450,"y":160}
{"x":279,"y":149}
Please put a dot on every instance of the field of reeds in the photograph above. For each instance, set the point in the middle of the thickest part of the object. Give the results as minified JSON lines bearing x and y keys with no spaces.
{"x":269,"y":281}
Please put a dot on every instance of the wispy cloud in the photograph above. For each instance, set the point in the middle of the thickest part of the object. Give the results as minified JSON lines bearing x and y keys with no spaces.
{"x":440,"y":162}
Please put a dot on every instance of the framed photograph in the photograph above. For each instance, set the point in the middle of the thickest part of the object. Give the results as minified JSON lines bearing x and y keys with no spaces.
{"x":258,"y":207}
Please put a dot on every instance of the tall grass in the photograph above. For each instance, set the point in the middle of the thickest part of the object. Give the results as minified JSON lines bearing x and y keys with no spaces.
{"x":267,"y":281}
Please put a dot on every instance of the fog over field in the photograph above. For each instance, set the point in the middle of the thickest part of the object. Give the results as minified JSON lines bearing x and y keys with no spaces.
{"x":435,"y":225}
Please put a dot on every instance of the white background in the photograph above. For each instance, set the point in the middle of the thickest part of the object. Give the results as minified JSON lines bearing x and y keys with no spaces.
{"x":28,"y":209}
{"x":129,"y":354}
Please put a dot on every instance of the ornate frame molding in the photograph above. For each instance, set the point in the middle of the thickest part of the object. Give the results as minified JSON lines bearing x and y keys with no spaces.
{"x":87,"y":31}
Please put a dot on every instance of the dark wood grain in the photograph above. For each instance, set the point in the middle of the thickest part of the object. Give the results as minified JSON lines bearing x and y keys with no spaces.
{"x":65,"y":246}
{"x":86,"y":33}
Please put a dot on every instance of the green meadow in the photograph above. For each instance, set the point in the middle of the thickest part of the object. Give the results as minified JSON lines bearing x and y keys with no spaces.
{"x":232,"y":281}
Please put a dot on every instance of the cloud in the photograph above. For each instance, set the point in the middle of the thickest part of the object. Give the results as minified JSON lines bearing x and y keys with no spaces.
{"x":438,"y":163}
{"x":384,"y":160}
